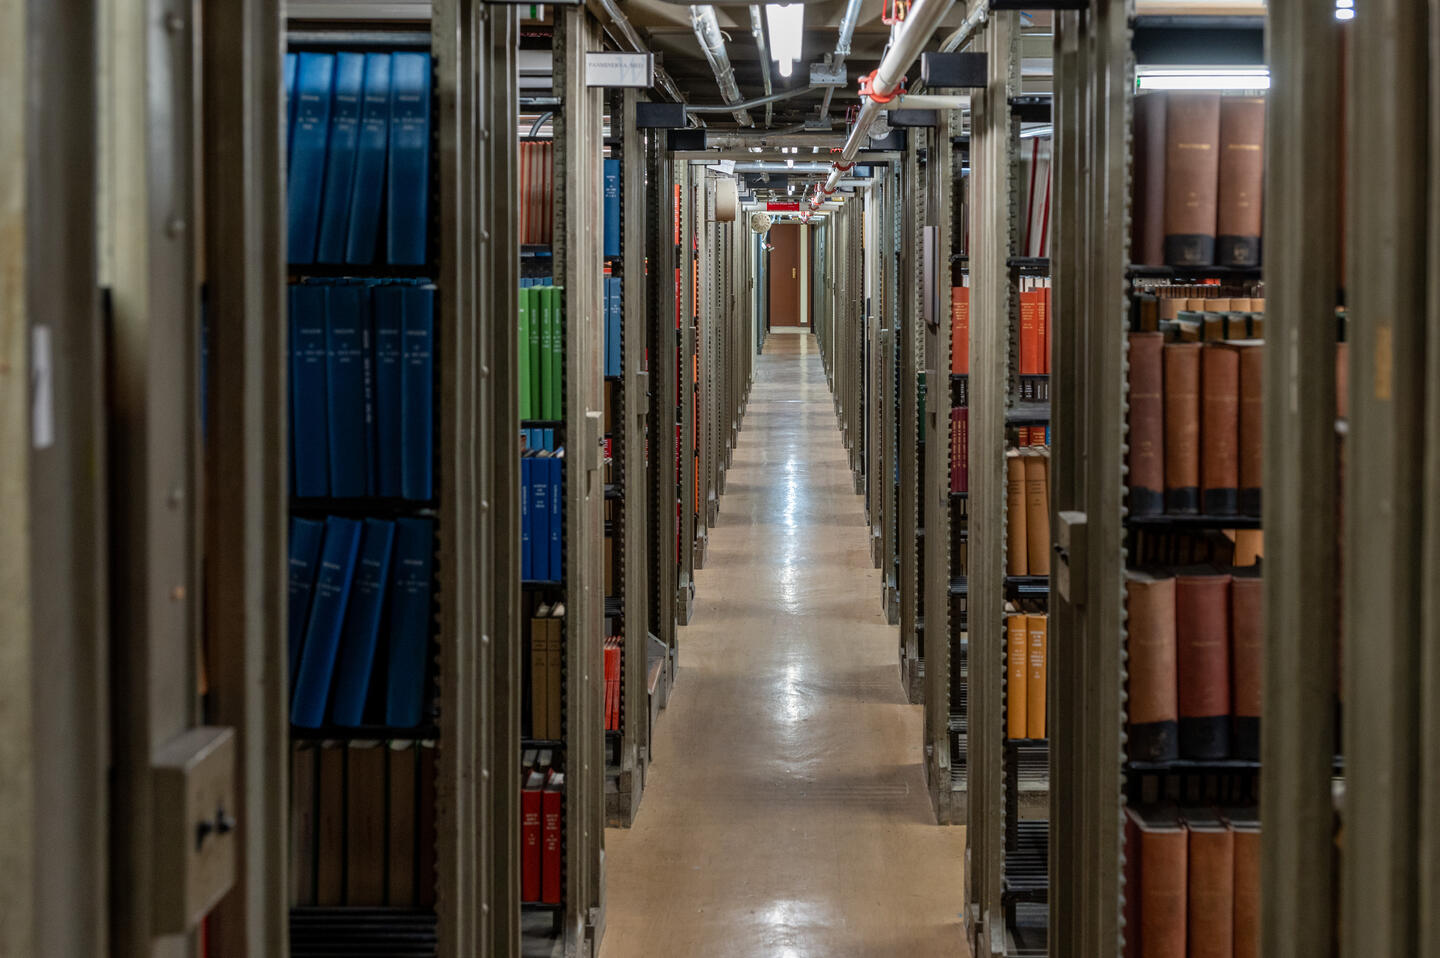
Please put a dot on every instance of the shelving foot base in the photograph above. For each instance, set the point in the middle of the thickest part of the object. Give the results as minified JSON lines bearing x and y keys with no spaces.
{"x":702,"y":546}
{"x":891,"y":601}
{"x":684,"y":601}
{"x":877,"y":545}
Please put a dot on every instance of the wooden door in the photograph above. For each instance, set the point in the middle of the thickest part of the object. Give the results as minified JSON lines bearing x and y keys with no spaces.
{"x":785,"y":276}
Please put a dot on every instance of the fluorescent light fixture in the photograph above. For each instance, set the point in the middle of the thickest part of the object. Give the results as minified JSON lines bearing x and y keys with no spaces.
{"x":1153,"y":78}
{"x":757,"y":149}
{"x":1037,"y":131}
{"x":814,"y":149}
{"x":790,"y":164}
{"x":1344,"y":10}
{"x":787,"y":29}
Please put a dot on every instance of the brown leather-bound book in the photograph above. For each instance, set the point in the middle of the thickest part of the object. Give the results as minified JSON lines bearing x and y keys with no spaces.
{"x":1146,"y":458}
{"x":1241,"y":178}
{"x":1252,"y":423}
{"x":1037,"y":514}
{"x":1342,"y":380}
{"x":539,"y":682}
{"x":960,"y":330}
{"x":1037,"y":629}
{"x":1210,"y":914}
{"x":1247,"y":602}
{"x":1147,"y":240}
{"x":1162,"y":858}
{"x":1192,"y":138}
{"x":330,"y":829}
{"x":1219,"y":430}
{"x":554,"y":668}
{"x":1202,"y":654}
{"x":401,"y":838}
{"x":1016,"y":709}
{"x":1182,"y":427}
{"x":365,"y":826}
{"x":1246,"y":827}
{"x":425,"y":861}
{"x":1131,"y":888}
{"x":1016,"y":541}
{"x":1154,"y":710}
{"x":304,"y":762}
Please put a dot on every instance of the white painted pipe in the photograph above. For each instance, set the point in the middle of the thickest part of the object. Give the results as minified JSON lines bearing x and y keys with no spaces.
{"x":929,"y":101}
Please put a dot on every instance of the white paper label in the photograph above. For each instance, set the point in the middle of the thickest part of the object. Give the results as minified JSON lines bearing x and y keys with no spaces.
{"x":620,"y":70}
{"x":42,"y":389}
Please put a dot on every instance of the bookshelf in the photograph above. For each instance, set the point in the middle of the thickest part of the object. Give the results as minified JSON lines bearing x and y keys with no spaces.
{"x":909,"y":344}
{"x":686,"y":371}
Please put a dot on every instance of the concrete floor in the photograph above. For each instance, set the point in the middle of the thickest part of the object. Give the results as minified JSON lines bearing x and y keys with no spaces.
{"x":786,"y":814}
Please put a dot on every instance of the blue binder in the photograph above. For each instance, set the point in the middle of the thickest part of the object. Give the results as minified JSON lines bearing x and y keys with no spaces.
{"x":417,"y":392}
{"x":540,"y":508}
{"x":306,"y":537}
{"x":346,"y":321}
{"x":409,"y":187}
{"x":327,"y":613}
{"x":557,"y":510}
{"x":389,"y":317}
{"x":410,"y":621}
{"x":612,"y":209}
{"x":340,"y":163}
{"x":371,"y":146}
{"x":313,"y":86}
{"x":527,"y":550}
{"x":362,"y":623}
{"x":309,"y":441}
{"x":292,"y":67}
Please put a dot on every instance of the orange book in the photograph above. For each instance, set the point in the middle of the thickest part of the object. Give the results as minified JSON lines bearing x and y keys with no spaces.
{"x":1037,"y":513}
{"x":1016,"y":541}
{"x":1045,"y":344}
{"x":1042,"y":331}
{"x":1036,"y":627}
{"x":960,"y":330}
{"x":1016,"y":714}
{"x":1029,"y":330}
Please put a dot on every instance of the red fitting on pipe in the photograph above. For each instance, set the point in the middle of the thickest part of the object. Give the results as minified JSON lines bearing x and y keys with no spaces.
{"x":843,"y":167}
{"x":867,"y":88}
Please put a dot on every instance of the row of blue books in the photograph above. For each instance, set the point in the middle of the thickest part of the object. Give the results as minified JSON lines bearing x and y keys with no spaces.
{"x":542,"y":512}
{"x":614,"y":312}
{"x":362,"y":389}
{"x":352,"y":581}
{"x":538,"y":440}
{"x":359,"y":144}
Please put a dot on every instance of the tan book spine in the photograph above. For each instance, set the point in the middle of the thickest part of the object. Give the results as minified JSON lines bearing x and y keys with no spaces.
{"x":1154,"y":710}
{"x":1037,"y":515}
{"x":1016,"y":709}
{"x":1017,"y":540}
{"x":1247,"y":892}
{"x":554,"y":669}
{"x":1252,"y":428}
{"x":539,"y":681}
{"x":1241,"y":181}
{"x":1147,"y":426}
{"x":1220,"y":430}
{"x":1182,"y":427}
{"x":1164,"y":876}
{"x":1210,"y":915}
{"x":1192,"y":136}
{"x":1037,"y":628}
{"x":1247,"y":600}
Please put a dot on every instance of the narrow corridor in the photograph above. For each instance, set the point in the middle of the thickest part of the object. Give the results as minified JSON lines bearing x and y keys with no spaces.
{"x":786,"y":814}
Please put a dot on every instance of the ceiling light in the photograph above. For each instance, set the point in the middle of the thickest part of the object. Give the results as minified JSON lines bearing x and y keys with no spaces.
{"x":1344,"y":13}
{"x":787,"y":29}
{"x":757,"y":149}
{"x":1257,"y":78}
{"x":790,"y":163}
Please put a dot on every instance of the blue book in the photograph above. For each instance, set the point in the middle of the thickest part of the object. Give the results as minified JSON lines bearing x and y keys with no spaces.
{"x":409,"y":187}
{"x":309,"y":433}
{"x":306,"y":536}
{"x":340,"y":161}
{"x":612,"y":325}
{"x":389,"y":318}
{"x":346,"y":322}
{"x":417,"y":392}
{"x":292,"y":67}
{"x":372,"y":143}
{"x":557,"y":510}
{"x":612,"y":209}
{"x":362,"y":623}
{"x":540,"y":507}
{"x":327,"y":614}
{"x":410,"y":621}
{"x":314,"y":81}
{"x":548,"y":439}
{"x":527,"y":554}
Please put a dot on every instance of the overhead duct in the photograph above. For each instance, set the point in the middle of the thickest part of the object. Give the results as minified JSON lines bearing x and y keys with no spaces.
{"x":842,"y":48}
{"x":712,"y":43}
{"x":757,"y":30}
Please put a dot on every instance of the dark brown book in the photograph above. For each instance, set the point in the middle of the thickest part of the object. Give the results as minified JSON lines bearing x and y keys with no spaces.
{"x":1192,"y":138}
{"x":1241,"y":180}
{"x":1210,"y":913}
{"x":330,"y":828}
{"x":1202,"y":655}
{"x":1219,"y":430}
{"x":1132,"y":884}
{"x":1154,"y":711}
{"x":365,"y":826}
{"x":1182,"y":427}
{"x":1247,"y":603}
{"x":1037,"y":513}
{"x":1342,"y":380}
{"x":400,"y":876}
{"x":425,"y":852}
{"x":1146,"y":459}
{"x":1147,"y":240}
{"x":1016,"y":539}
{"x":1252,"y":426}
{"x":1246,"y":826}
{"x":1160,"y":883}
{"x":303,"y":768}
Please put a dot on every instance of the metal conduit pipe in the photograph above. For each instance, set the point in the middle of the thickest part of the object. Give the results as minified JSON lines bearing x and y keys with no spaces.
{"x":920,"y":23}
{"x":746,"y":104}
{"x":929,"y":101}
{"x":954,"y":41}
{"x":842,"y":47}
{"x":712,"y":42}
{"x":627,"y":30}
{"x":757,"y":30}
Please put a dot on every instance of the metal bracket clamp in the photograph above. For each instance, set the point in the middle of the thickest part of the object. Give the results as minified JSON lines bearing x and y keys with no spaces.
{"x":867,"y":88}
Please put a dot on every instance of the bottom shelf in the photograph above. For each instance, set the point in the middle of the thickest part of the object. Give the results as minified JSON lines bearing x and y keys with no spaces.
{"x":1027,"y":865}
{"x":320,"y":932}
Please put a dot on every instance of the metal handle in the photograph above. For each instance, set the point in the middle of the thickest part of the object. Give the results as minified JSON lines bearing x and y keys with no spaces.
{"x":792,"y":273}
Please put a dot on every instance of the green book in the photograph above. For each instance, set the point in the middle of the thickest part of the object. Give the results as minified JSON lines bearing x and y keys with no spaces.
{"x":547,"y":347}
{"x":557,"y":354}
{"x":532,"y":359}
{"x":525,"y":408}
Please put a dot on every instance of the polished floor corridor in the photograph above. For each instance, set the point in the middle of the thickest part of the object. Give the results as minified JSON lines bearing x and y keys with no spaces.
{"x":786,"y":814}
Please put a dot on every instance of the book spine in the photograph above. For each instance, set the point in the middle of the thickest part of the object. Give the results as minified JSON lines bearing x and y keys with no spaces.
{"x":1192,"y":136}
{"x":548,"y":390}
{"x":309,"y":437}
{"x":408,"y":192}
{"x":551,"y":829}
{"x":417,"y":393}
{"x":389,"y":316}
{"x":306,"y":537}
{"x":1210,"y":916}
{"x":1147,"y":245}
{"x":1154,"y":710}
{"x":403,"y":763}
{"x":535,"y":299}
{"x":345,"y":322}
{"x":322,"y":636}
{"x":540,"y":507}
{"x":1219,"y":430}
{"x":1036,"y":627}
{"x":539,"y":656}
{"x":527,"y":520}
{"x":531,"y":806}
{"x":1037,"y":515}
{"x":1029,"y":344}
{"x":1202,"y":643}
{"x":365,"y":821}
{"x":526,"y":412}
{"x":556,"y":470}
{"x":1017,"y":542}
{"x":1164,"y":881}
{"x":292,"y":70}
{"x":1247,"y":893}
{"x":340,"y":164}
{"x":410,"y":621}
{"x":1241,"y":181}
{"x":1181,"y":363}
{"x":1017,"y":685}
{"x":371,"y":147}
{"x":1146,"y":472}
{"x":555,"y":630}
{"x":612,"y":209}
{"x":1247,"y":598}
{"x":362,"y":623}
{"x":960,"y":330}
{"x":1252,"y":428}
{"x":314,"y":84}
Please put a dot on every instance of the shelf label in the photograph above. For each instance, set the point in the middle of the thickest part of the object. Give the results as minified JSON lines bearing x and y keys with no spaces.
{"x":620,"y":70}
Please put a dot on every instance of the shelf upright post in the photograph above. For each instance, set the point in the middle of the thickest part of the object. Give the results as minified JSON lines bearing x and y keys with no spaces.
{"x":909,"y":344}
{"x":686,"y":593}
{"x":705,"y":347}
{"x":662,"y":340}
{"x":889,"y":218}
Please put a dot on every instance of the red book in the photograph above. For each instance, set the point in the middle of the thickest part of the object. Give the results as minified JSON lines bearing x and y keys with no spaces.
{"x":1029,"y":343}
{"x":1202,"y":643}
{"x":960,"y":330}
{"x":530,"y":837}
{"x":1042,"y":331}
{"x":551,"y":831}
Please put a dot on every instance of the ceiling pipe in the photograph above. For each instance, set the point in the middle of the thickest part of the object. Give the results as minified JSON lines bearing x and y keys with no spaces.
{"x":920,"y":24}
{"x":712,"y":43}
{"x":842,"y":48}
{"x":746,"y":104}
{"x":626,"y":29}
{"x":757,"y":30}
{"x":929,"y":101}
{"x":954,"y":41}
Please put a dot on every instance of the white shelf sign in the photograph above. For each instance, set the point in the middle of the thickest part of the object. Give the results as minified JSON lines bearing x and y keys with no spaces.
{"x":620,"y":70}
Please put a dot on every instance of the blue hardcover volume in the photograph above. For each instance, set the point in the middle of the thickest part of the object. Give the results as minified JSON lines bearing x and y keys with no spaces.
{"x":410,"y":619}
{"x":389,"y":312}
{"x":540,"y":507}
{"x":292,"y":67}
{"x":313,"y":86}
{"x":612,"y":209}
{"x":306,"y":537}
{"x":371,"y":145}
{"x":327,"y":613}
{"x":417,"y":392}
{"x":340,"y":161}
{"x":309,"y":441}
{"x":345,"y":326}
{"x":362,"y":623}
{"x":527,"y":551}
{"x":557,"y":510}
{"x":409,"y":187}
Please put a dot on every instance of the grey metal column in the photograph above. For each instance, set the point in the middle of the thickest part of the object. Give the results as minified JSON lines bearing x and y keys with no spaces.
{"x":908,"y":344}
{"x":663,"y":341}
{"x":686,"y":592}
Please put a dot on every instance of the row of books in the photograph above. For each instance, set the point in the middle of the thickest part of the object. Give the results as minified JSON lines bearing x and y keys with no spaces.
{"x":359,"y":150}
{"x":537,"y":197}
{"x":1196,"y":442}
{"x":542,"y":514}
{"x":362,"y":389}
{"x":1192,"y":882}
{"x":542,"y":352}
{"x":362,"y":825}
{"x":350,"y":582}
{"x":1199,"y":173}
{"x":1027,"y":511}
{"x":538,"y":439}
{"x":613,"y":653}
{"x":1035,"y":153}
{"x":1196,"y":652}
{"x":546,"y":666}
{"x":1034,"y":358}
{"x":1025,"y":639}
{"x":1032,"y":436}
{"x":542,"y":818}
{"x":1194,"y":319}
